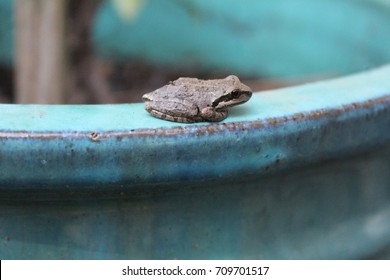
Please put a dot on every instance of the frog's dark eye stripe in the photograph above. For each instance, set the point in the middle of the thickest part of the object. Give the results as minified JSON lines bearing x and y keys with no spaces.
{"x":233,"y":95}
{"x":236,"y":94}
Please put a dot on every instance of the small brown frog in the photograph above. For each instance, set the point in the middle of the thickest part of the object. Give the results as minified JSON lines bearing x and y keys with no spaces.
{"x":191,"y":100}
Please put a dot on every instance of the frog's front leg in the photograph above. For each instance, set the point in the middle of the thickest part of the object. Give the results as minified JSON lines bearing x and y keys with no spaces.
{"x":211,"y":115}
{"x":173,"y":110}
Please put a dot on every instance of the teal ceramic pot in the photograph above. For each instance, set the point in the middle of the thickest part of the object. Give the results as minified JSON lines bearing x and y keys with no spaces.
{"x":301,"y":172}
{"x":295,"y":173}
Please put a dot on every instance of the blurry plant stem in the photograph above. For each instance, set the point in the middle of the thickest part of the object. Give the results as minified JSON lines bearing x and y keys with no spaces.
{"x":40,"y":51}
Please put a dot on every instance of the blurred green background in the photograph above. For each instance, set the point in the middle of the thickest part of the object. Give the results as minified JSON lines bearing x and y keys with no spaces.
{"x":138,"y":45}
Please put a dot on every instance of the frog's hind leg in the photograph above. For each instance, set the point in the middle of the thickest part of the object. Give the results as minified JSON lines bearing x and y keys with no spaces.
{"x":211,"y":115}
{"x":174,"y":110}
{"x":167,"y":117}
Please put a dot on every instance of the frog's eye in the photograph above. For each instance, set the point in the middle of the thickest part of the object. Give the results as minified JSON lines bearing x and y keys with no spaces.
{"x":235,"y":94}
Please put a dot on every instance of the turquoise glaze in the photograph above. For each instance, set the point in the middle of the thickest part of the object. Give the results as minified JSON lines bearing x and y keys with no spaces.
{"x":296,"y":173}
{"x":301,"y":172}
{"x":267,"y":104}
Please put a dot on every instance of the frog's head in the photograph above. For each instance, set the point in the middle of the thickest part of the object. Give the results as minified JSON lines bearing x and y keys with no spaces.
{"x":235,"y":94}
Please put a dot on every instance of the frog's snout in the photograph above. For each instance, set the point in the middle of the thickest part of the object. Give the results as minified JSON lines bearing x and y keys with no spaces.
{"x":146,"y":97}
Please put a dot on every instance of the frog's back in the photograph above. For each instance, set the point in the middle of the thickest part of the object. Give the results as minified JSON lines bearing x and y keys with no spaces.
{"x":195,"y":91}
{"x":191,"y":87}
